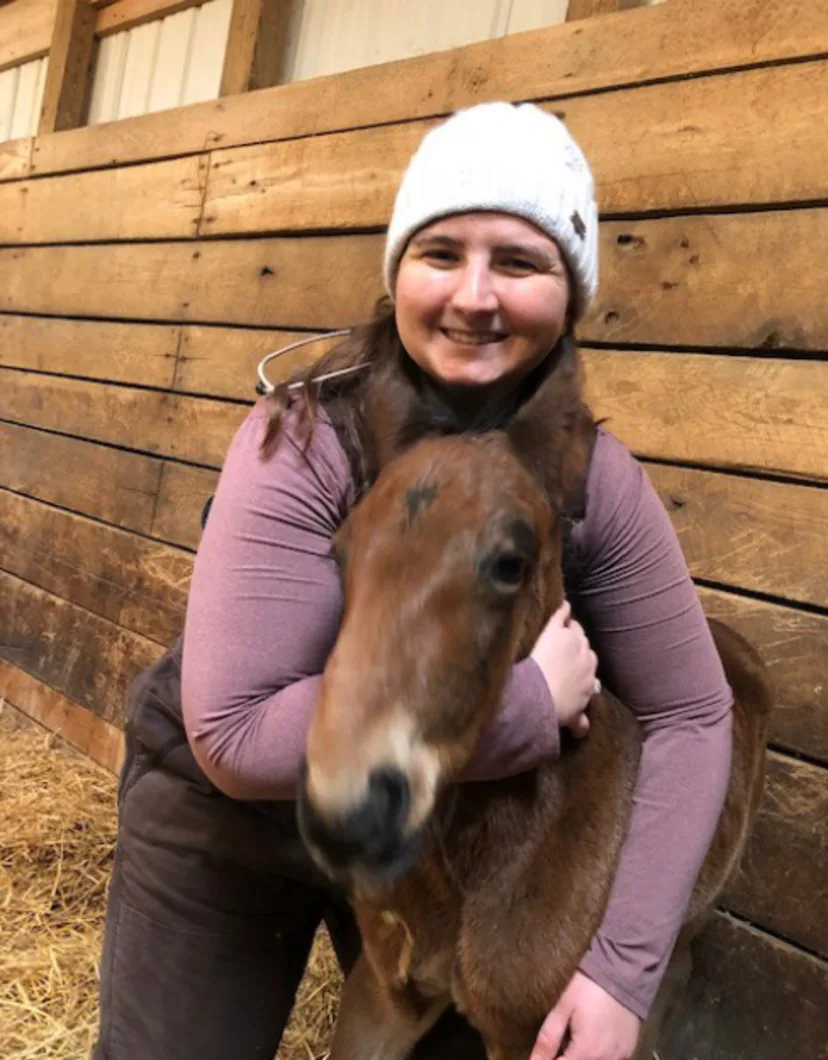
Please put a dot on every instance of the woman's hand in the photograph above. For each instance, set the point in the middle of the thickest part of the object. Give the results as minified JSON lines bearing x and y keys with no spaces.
{"x":600,"y":1028}
{"x":569,"y":665}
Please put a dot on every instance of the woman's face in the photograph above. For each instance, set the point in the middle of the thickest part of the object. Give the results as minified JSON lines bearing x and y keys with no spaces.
{"x":481,"y":299}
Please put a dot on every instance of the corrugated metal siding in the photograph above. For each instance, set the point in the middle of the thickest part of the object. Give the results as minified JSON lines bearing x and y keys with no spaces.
{"x":328,"y":36}
{"x":162,"y":64}
{"x":21,"y":96}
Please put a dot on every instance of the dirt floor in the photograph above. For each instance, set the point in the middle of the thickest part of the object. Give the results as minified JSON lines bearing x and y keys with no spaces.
{"x":57,"y":833}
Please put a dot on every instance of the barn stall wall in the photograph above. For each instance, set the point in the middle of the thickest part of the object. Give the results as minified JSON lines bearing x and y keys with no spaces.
{"x":146,"y":265}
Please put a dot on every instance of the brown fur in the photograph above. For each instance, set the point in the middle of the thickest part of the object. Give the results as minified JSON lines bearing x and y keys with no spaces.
{"x":514,"y":877}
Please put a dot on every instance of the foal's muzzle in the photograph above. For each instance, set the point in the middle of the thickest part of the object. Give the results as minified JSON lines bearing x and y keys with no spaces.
{"x":368,"y":839}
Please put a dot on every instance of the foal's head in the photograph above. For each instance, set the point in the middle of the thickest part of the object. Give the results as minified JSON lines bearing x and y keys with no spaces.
{"x":448,"y":565}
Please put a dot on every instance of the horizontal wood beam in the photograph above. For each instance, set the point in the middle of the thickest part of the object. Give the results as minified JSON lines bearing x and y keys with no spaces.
{"x":647,"y":45}
{"x":36,"y":701}
{"x":126,"y":14}
{"x":26,"y":28}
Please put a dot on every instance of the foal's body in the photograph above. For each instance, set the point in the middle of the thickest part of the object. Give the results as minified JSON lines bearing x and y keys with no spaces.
{"x":514,"y":880}
{"x":484,"y":895}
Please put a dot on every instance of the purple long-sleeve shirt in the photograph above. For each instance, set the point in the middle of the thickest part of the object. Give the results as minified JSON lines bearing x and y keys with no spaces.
{"x":264,"y":610}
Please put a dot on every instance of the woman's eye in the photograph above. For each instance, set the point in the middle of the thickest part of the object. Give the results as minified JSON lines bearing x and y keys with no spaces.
{"x":519,"y":265}
{"x":440,"y":257}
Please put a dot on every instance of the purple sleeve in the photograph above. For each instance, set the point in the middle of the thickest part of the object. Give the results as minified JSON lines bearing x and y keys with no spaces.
{"x":657,"y":655}
{"x":263,"y":613}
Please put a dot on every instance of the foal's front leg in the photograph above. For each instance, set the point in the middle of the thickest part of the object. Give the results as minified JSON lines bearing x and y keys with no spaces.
{"x":377,"y":1021}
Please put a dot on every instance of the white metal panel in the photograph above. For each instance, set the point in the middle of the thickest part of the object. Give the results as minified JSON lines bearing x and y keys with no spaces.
{"x":209,"y":43}
{"x":328,"y":36}
{"x":534,"y":14}
{"x":142,"y":48}
{"x":108,"y":78}
{"x":172,"y":61}
{"x":27,"y":104}
{"x":8,"y":94}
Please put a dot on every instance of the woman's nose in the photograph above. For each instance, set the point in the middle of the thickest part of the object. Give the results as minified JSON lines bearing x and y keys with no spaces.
{"x":475,"y":292}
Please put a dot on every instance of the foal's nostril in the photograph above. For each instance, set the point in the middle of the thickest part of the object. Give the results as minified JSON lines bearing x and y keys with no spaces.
{"x":372,"y":833}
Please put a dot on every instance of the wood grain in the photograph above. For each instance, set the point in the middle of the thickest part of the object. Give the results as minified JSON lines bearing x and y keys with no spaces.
{"x":589,"y":8}
{"x":745,"y":413}
{"x":25,"y":30}
{"x":710,"y":142}
{"x":79,"y":654}
{"x":157,"y":422}
{"x":119,"y":353}
{"x":742,"y":280}
{"x":256,"y":44}
{"x":15,"y":157}
{"x":645,"y":45}
{"x":783,"y":884}
{"x":127,"y":14}
{"x":751,"y":997}
{"x":68,"y":71}
{"x":138,"y":584}
{"x":794,"y":646}
{"x":72,"y":473}
{"x":37,"y":702}
{"x":764,"y":536}
{"x":158,"y":201}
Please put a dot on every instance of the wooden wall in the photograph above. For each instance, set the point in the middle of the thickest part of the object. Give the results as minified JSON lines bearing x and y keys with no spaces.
{"x":145,"y":267}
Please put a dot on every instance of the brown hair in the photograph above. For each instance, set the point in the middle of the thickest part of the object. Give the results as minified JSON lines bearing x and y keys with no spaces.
{"x":367,"y":347}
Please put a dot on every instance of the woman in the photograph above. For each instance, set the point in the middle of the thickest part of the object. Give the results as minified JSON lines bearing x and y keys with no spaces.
{"x":491,"y":258}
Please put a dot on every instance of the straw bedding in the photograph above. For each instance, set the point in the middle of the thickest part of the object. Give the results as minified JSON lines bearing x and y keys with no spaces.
{"x":57,"y":834}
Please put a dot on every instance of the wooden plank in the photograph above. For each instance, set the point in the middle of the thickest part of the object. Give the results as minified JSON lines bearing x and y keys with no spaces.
{"x":223,"y":361}
{"x":70,"y":473}
{"x":136,"y":583}
{"x":783,"y":884}
{"x":745,"y":280}
{"x":745,"y":413}
{"x":98,"y":739}
{"x":763,"y":536}
{"x":187,"y":428}
{"x":314,"y":281}
{"x":25,"y":30}
{"x":578,"y":9}
{"x":181,"y":498}
{"x":161,"y":200}
{"x":646,"y":45}
{"x":127,"y":14}
{"x":709,"y":143}
{"x":73,"y":651}
{"x":256,"y":42}
{"x":751,"y":997}
{"x":119,"y":353}
{"x":15,"y":157}
{"x":794,"y":646}
{"x":742,"y":280}
{"x":68,"y":74}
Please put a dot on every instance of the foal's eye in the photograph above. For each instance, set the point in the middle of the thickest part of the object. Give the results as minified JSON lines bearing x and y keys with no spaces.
{"x":505,"y":571}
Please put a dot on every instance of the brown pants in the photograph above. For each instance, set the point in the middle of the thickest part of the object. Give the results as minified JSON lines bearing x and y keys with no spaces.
{"x":212,"y":911}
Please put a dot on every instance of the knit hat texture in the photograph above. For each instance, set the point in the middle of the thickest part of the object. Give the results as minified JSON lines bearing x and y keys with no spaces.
{"x":508,"y":158}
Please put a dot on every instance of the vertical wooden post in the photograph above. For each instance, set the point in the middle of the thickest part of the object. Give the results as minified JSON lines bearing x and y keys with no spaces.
{"x":587,"y":8}
{"x":67,"y":75}
{"x":256,"y":44}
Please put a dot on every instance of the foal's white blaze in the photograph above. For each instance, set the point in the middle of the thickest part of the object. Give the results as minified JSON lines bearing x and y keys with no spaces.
{"x":339,"y":784}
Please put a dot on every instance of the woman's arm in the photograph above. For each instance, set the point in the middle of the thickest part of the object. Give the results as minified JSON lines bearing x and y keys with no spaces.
{"x":263,"y":614}
{"x":658,"y":656}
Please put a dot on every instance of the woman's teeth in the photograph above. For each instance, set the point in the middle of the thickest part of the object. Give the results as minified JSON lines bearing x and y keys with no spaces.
{"x":473,"y":338}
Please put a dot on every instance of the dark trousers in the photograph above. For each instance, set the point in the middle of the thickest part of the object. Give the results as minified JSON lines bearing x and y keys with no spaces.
{"x":212,"y":911}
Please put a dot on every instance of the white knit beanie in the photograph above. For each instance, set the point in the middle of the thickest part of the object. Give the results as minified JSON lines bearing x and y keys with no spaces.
{"x":508,"y":158}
